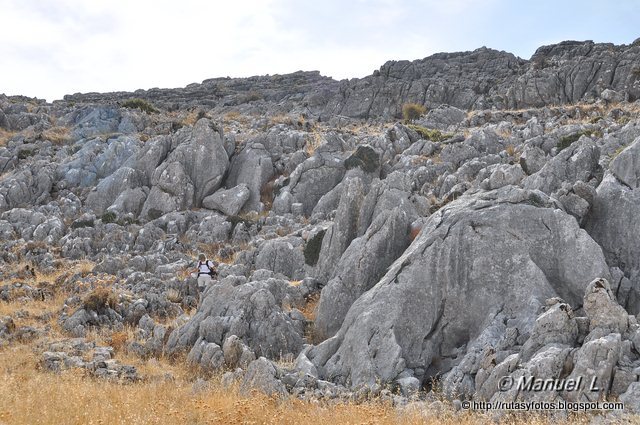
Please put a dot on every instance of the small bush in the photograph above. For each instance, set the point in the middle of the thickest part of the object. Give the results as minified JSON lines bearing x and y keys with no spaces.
{"x":99,"y":299}
{"x":25,"y":153}
{"x":154,"y":213}
{"x":567,"y":141}
{"x":412,"y":111}
{"x":82,"y":223}
{"x":141,"y":104}
{"x":109,"y":217}
{"x":429,"y":134}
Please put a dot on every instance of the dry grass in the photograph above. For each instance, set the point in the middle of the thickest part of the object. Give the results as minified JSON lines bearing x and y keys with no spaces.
{"x":5,"y":136}
{"x":235,"y":116}
{"x":311,"y":306}
{"x":314,"y":140}
{"x":30,"y":396}
{"x":56,"y":135}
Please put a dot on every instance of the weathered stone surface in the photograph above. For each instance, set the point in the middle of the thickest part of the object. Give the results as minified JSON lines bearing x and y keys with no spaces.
{"x":253,"y":312}
{"x":228,"y":202}
{"x":192,"y":171}
{"x":261,"y":375}
{"x":253,"y":168}
{"x":578,"y":162}
{"x":282,"y":255}
{"x":344,"y":229}
{"x":524,"y":252}
{"x":614,"y":221}
{"x":361,"y":266}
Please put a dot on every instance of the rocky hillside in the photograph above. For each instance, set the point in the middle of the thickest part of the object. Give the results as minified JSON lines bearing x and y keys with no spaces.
{"x":568,"y":72}
{"x":357,"y":257}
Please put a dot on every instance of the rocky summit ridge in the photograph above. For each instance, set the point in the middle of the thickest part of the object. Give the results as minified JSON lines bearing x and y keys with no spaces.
{"x":497,"y":235}
{"x":568,"y":72}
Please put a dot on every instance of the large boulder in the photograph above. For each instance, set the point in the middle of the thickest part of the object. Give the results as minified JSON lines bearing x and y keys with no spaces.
{"x":192,"y":171}
{"x":230,"y":201}
{"x":504,"y":251}
{"x":578,"y":162}
{"x":363,"y":263}
{"x":253,"y":168}
{"x":252,"y":311}
{"x":318,"y":174}
{"x":614,"y":220}
{"x":344,"y":229}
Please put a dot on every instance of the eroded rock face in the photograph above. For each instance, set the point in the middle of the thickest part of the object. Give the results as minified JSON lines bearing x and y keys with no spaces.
{"x":361,"y":266}
{"x":502,"y":251}
{"x":614,"y":221}
{"x":192,"y":171}
{"x":251,"y":311}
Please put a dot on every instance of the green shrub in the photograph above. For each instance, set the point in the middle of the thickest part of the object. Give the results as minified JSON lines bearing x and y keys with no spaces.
{"x":25,"y":153}
{"x":109,"y":217}
{"x":141,"y":104}
{"x":429,"y":134}
{"x":82,"y":223}
{"x":412,"y":111}
{"x":568,"y":140}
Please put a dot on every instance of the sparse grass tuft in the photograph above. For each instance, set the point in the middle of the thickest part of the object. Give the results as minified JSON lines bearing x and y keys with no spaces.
{"x":5,"y":136}
{"x":56,"y":135}
{"x":412,"y":111}
{"x":314,"y":140}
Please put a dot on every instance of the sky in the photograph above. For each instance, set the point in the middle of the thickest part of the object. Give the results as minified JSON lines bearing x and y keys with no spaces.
{"x":49,"y":48}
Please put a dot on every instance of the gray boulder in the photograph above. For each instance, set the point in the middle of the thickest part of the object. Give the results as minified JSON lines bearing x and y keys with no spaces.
{"x":532,"y":159}
{"x":524,"y":251}
{"x":192,"y":171}
{"x":344,"y":229}
{"x":614,"y":222}
{"x":282,"y":255}
{"x":578,"y":162}
{"x":443,"y":117}
{"x":262,"y":375}
{"x":318,"y":174}
{"x":363,"y":263}
{"x":253,"y":168}
{"x":252,"y":311}
{"x":230,"y":201}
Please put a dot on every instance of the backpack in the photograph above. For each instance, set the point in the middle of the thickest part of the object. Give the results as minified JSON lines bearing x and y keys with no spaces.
{"x":212,"y":271}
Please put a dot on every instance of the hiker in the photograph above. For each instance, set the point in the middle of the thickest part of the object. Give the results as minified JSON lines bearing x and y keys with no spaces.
{"x":206,"y":271}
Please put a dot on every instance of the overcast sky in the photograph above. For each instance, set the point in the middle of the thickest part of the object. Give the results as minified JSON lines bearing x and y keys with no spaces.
{"x":49,"y":48}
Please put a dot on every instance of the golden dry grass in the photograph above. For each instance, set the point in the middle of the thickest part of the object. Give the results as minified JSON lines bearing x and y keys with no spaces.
{"x":310,"y":307}
{"x":32,"y":396}
{"x":314,"y":140}
{"x":5,"y":135}
{"x":56,"y":135}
